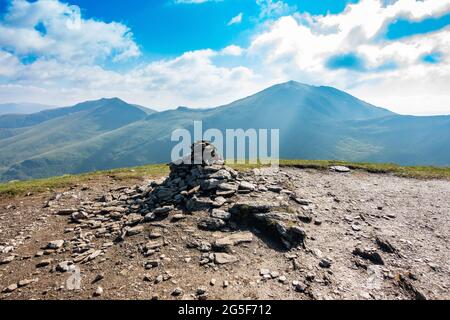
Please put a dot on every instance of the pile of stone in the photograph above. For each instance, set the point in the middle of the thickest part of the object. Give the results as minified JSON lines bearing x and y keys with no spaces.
{"x":203,"y":173}
{"x":195,"y":184}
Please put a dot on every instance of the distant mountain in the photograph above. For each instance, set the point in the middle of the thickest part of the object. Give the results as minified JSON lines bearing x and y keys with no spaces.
{"x":37,"y":134}
{"x":22,"y":108}
{"x":314,"y":123}
{"x":10,"y":121}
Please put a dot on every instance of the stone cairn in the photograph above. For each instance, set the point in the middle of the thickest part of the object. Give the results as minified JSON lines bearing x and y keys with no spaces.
{"x":217,"y":192}
{"x":202,"y":182}
{"x":203,"y":173}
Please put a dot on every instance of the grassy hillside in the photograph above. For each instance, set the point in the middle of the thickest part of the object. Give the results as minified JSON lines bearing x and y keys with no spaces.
{"x":84,"y":121}
{"x":18,"y":188}
{"x":314,"y":123}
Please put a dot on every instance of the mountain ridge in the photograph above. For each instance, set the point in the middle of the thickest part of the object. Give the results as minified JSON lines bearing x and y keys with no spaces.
{"x":22,"y":108}
{"x":314,"y":122}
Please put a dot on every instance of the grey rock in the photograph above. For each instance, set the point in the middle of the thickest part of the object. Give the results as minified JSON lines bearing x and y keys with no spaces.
{"x":305,"y":217}
{"x":299,"y":286}
{"x":227,"y":186}
{"x":133,"y":219}
{"x":151,"y":264}
{"x":340,"y":169}
{"x":177,"y":292}
{"x":210,"y":184}
{"x":64,"y":266}
{"x":135,"y":231}
{"x":244,"y":185}
{"x":226,"y":193}
{"x":276,"y":189}
{"x":219,"y":201}
{"x":151,"y":245}
{"x":7,"y":260}
{"x":79,"y":215}
{"x":233,"y":240}
{"x":249,"y":207}
{"x":154,"y":235}
{"x":163,"y":211}
{"x":224,"y":258}
{"x":98,"y":292}
{"x":56,"y":244}
{"x":10,"y":288}
{"x":198,"y":204}
{"x":26,"y":282}
{"x":369,"y":254}
{"x":221,"y":175}
{"x":204,"y":246}
{"x":44,"y":263}
{"x":94,"y":255}
{"x":325,"y":263}
{"x":201,"y":290}
{"x":274,"y":274}
{"x":220,"y":214}
{"x":178,"y":217}
{"x":263,"y":272}
{"x":98,"y":278}
{"x":66,"y":211}
{"x":211,"y":224}
{"x":149,"y":217}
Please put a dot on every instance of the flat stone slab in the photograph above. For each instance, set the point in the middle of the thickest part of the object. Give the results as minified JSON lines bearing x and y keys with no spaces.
{"x":224,"y":258}
{"x":341,"y":169}
{"x":234,"y":239}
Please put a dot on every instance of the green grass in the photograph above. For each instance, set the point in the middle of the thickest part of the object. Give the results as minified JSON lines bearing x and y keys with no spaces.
{"x":16,"y":188}
{"x":417,"y":172}
{"x":42,"y":185}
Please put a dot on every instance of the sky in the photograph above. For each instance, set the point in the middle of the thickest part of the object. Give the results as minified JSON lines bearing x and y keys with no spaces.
{"x":204,"y":53}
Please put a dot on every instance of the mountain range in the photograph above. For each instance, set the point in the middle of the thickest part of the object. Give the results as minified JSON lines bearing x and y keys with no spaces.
{"x":22,"y":108}
{"x":314,"y":122}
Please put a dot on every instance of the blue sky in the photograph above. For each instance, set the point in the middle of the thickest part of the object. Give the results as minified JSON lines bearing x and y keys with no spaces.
{"x":165,"y":53}
{"x":164,"y":27}
{"x":167,"y":28}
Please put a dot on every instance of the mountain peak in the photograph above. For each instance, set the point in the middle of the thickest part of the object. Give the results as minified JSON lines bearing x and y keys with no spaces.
{"x":292,"y":83}
{"x":296,"y":83}
{"x":113,"y":99}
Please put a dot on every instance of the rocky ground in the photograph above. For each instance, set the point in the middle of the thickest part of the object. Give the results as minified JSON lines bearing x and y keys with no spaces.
{"x":217,"y":234}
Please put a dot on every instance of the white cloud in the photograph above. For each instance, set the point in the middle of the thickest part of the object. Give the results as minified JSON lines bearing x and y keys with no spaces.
{"x":232,"y":51}
{"x":51,"y":29}
{"x":293,"y":46}
{"x":9,"y":64}
{"x":299,"y":47}
{"x":191,"y":79}
{"x":236,"y":20}
{"x":274,"y":8}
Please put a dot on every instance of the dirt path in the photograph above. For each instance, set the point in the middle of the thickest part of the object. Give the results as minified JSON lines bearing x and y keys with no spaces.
{"x":410,"y":218}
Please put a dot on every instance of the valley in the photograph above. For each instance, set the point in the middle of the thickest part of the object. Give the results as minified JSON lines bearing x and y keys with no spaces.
{"x":314,"y":123}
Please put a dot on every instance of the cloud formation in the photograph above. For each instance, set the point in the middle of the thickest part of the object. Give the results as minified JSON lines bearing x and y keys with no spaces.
{"x":51,"y":29}
{"x":236,"y":20}
{"x":274,"y":8}
{"x":348,"y":50}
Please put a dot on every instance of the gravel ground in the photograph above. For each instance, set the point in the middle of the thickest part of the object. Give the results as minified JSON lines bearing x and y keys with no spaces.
{"x":370,"y":236}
